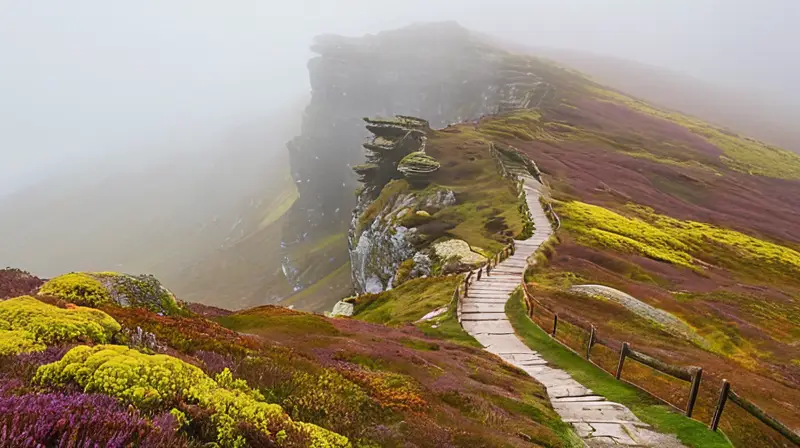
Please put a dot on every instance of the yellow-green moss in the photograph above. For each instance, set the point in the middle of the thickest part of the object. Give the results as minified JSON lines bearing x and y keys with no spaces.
{"x":406,"y":303}
{"x":679,"y":242}
{"x":77,"y":287}
{"x":99,"y":288}
{"x":149,"y":380}
{"x":28,"y":325}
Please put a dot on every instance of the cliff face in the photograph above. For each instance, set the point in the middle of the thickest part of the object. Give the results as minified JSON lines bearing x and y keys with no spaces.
{"x":437,"y":72}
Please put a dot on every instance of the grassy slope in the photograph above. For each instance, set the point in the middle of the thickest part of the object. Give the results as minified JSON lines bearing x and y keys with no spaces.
{"x":663,"y":419}
{"x":462,"y":388}
{"x":717,"y":250}
{"x":408,"y":302}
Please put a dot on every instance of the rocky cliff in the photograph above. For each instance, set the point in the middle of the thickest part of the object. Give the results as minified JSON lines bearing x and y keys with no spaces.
{"x":438,"y":72}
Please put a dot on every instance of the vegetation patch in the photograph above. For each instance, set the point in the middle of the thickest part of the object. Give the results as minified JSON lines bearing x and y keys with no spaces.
{"x":152,"y":381}
{"x":679,"y":242}
{"x":407,"y":303}
{"x":99,"y":288}
{"x":29,"y":325}
{"x":741,"y":153}
{"x":78,"y":288}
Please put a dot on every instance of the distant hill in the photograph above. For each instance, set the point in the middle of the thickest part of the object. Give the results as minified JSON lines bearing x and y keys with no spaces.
{"x":752,"y":113}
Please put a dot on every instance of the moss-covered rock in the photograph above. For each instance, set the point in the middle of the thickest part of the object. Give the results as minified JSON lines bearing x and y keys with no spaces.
{"x":456,"y":255}
{"x":417,"y":167}
{"x":158,"y":380}
{"x":29,"y":325}
{"x":100,"y":288}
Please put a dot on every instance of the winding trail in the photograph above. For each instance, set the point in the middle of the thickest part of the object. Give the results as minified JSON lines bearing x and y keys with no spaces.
{"x":600,"y":423}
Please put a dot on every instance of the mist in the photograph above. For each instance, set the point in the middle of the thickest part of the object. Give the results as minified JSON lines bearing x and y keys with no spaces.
{"x":89,"y":81}
{"x":99,"y":94}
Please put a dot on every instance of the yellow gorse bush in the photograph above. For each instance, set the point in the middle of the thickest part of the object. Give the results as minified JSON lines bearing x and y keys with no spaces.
{"x":77,"y":287}
{"x":28,"y":325}
{"x":151,"y":380}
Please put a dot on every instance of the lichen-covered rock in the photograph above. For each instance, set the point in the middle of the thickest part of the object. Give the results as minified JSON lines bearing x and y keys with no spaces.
{"x":99,"y":288}
{"x":456,"y":255}
{"x":422,"y":265}
{"x":342,"y":308}
{"x":439,"y":199}
{"x":418,"y":167}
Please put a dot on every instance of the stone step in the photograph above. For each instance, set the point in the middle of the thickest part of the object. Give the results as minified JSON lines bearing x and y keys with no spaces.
{"x":487,"y":327}
{"x":482,"y":308}
{"x":586,"y":398}
{"x":485,"y":299}
{"x":483,"y":316}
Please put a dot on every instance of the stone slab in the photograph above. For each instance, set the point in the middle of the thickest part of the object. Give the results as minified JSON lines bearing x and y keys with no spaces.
{"x":483,"y":316}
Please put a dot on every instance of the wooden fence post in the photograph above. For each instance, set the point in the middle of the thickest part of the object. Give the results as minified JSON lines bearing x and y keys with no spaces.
{"x":590,"y":343}
{"x":555,"y":325}
{"x":723,"y":398}
{"x":479,"y":273}
{"x":622,"y":355}
{"x":693,"y":392}
{"x":488,"y":268}
{"x":466,"y":286}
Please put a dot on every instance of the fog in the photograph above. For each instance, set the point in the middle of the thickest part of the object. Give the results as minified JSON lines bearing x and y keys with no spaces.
{"x":90,"y":80}
{"x":101,"y":97}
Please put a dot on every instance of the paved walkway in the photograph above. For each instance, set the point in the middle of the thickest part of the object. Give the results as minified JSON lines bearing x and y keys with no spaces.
{"x":600,"y":423}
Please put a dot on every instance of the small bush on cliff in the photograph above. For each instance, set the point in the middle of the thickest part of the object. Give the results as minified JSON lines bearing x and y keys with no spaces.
{"x":78,"y":288}
{"x":27,"y":325}
{"x":156,"y":381}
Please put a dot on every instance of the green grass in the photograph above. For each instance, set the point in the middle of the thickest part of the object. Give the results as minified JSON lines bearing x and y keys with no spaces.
{"x":275,"y":320}
{"x":662,"y":418}
{"x":281,"y":203}
{"x":407,"y":303}
{"x":447,"y":327}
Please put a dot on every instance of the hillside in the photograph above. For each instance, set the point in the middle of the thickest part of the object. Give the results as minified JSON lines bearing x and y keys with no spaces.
{"x":766,"y":118}
{"x":270,"y":382}
{"x":675,"y":235}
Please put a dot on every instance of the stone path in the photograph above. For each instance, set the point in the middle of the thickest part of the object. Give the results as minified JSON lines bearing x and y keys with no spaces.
{"x":600,"y":423}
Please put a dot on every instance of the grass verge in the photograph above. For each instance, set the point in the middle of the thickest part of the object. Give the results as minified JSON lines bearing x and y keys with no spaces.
{"x":648,"y":409}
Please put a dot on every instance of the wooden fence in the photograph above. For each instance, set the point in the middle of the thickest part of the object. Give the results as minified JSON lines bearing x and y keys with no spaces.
{"x":462,"y":289}
{"x":690,"y":374}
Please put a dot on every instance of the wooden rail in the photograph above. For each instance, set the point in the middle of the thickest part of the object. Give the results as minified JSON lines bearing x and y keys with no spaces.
{"x":691,"y":374}
{"x":462,"y":288}
{"x":726,"y":394}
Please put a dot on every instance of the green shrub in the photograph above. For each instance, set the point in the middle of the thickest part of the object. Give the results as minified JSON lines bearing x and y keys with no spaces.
{"x":28,"y":325}
{"x":150,"y":381}
{"x":78,"y":288}
{"x":403,"y":273}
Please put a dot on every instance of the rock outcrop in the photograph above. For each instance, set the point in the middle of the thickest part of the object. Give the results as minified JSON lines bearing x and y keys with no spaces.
{"x":380,"y":238}
{"x":437,"y":71}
